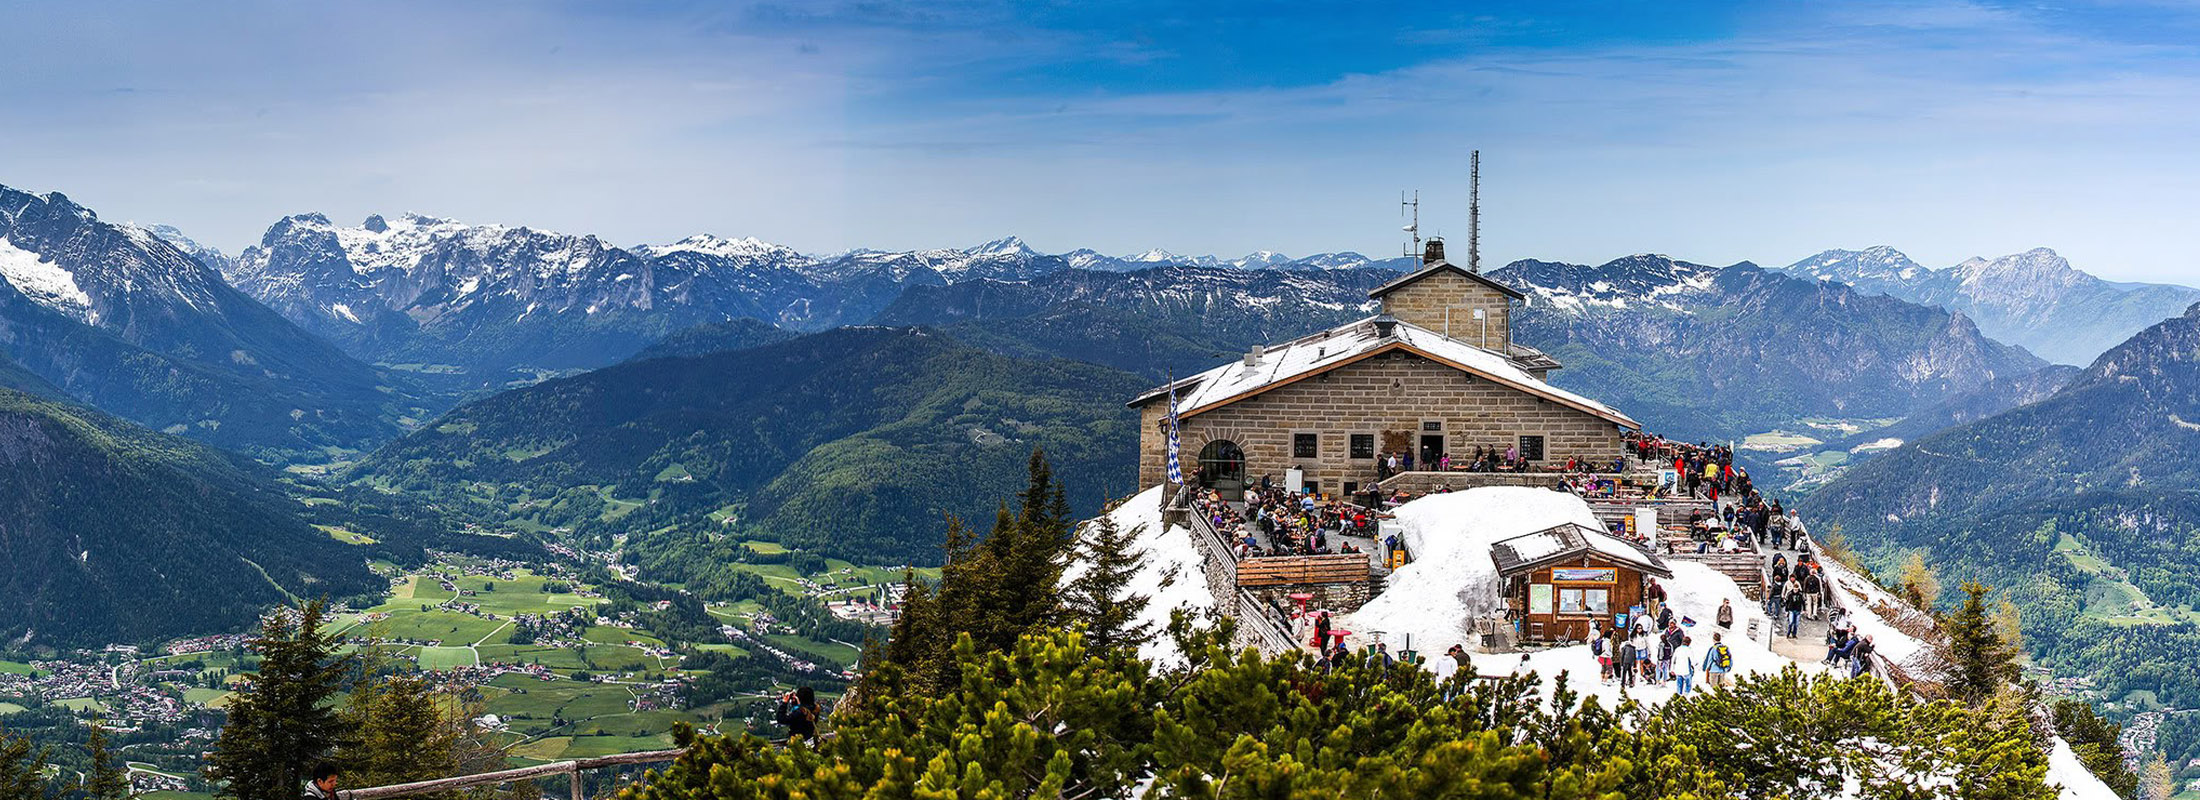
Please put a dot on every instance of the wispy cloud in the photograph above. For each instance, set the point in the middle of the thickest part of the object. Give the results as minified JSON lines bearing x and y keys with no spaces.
{"x":1714,"y":132}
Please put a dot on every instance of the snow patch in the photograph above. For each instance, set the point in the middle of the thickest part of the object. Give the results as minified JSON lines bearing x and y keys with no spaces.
{"x":1172,"y":576}
{"x":44,"y":282}
{"x":2065,"y":772}
{"x":1452,"y":580}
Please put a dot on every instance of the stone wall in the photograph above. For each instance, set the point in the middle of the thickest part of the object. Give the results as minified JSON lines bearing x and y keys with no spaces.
{"x":1423,"y":303}
{"x":1388,"y":397}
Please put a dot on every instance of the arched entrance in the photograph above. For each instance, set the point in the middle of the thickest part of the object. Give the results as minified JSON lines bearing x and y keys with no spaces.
{"x":1222,"y":467}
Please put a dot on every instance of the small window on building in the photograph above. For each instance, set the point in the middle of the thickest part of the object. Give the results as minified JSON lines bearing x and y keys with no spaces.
{"x":1531,"y":448}
{"x":1305,"y":445}
{"x":1351,"y":487}
{"x":1432,"y":426}
{"x":1584,"y":601}
{"x":1363,"y":445}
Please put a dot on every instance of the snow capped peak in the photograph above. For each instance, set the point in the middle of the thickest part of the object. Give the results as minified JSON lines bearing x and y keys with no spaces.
{"x":1007,"y":245}
{"x":1156,"y":256}
{"x":43,"y":281}
{"x":746,"y":248}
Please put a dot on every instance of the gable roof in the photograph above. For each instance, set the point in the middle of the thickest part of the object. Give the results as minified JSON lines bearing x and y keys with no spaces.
{"x":1568,"y":542}
{"x":1350,"y":343}
{"x":1440,"y":266}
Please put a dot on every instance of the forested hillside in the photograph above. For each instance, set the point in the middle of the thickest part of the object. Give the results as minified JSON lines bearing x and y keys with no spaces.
{"x":112,"y":533}
{"x":2083,"y":502}
{"x":854,"y":442}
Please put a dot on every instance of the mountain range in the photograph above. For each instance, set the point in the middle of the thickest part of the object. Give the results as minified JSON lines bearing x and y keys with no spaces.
{"x":2035,"y":298}
{"x":121,"y":319}
{"x":2080,"y":506}
{"x":503,"y":304}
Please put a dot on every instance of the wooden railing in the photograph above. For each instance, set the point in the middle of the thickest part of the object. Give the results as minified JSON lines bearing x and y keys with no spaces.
{"x":572,"y":769}
{"x":1268,"y":627}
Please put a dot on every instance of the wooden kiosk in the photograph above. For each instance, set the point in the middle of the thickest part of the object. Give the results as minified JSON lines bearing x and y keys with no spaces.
{"x":1558,"y":582}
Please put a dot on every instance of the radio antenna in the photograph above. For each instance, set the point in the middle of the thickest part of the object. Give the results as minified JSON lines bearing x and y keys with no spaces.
{"x":1474,"y":213}
{"x":1413,"y":229}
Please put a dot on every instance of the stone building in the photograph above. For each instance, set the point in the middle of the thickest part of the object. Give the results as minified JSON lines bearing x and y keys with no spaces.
{"x":1435,"y":372}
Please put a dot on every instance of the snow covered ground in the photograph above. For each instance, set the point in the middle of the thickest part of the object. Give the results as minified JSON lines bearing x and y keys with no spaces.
{"x":1173,"y":575}
{"x":1452,"y":580}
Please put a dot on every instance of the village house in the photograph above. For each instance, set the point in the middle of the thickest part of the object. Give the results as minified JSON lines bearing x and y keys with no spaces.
{"x":1436,"y":372}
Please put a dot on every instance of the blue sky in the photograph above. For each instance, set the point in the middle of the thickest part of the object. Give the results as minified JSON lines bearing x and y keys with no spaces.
{"x":1715,"y":132}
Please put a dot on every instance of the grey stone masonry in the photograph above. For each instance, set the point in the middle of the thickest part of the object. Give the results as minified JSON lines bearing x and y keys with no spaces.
{"x":1394,"y":399}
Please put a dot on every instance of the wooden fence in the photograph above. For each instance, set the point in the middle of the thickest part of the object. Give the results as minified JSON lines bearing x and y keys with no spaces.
{"x":1293,"y":570}
{"x":572,"y":769}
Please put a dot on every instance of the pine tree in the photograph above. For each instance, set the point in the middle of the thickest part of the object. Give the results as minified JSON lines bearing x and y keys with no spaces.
{"x":107,"y":780}
{"x":1978,"y":661}
{"x":1918,"y":585}
{"x":398,"y":731}
{"x":1097,"y":597}
{"x":283,"y":722}
{"x":22,"y":769}
{"x":994,"y":590}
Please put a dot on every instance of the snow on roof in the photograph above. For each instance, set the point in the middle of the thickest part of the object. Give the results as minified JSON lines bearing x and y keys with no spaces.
{"x":1319,"y":352}
{"x":1535,"y":549}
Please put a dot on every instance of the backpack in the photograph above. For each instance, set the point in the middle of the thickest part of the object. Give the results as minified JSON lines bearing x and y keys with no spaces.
{"x":1722,"y":657}
{"x":1596,"y":646}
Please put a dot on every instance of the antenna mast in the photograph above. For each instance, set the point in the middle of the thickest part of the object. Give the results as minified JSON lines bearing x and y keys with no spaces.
{"x":1412,"y":230}
{"x":1474,"y":213}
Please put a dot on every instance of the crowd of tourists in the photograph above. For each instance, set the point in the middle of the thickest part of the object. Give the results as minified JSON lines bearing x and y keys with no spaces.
{"x":1636,"y":656}
{"x":1490,"y":458}
{"x":1275,"y":522}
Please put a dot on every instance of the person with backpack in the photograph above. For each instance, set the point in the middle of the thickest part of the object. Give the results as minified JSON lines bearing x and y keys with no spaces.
{"x":1684,"y":666}
{"x":1717,"y":662}
{"x":798,"y":711}
{"x":1669,"y":645}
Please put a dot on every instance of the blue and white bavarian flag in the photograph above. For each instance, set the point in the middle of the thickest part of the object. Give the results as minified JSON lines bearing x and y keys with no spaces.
{"x":1176,"y":468}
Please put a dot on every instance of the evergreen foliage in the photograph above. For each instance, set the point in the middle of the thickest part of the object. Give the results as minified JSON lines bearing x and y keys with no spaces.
{"x":22,"y":769}
{"x":396,"y":730}
{"x":285,"y":720}
{"x":1919,"y":587}
{"x":107,"y":780}
{"x":1097,"y":597}
{"x":1797,"y":736}
{"x":994,"y":590}
{"x":1979,"y":661}
{"x":2095,"y":741}
{"x":1050,"y":717}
